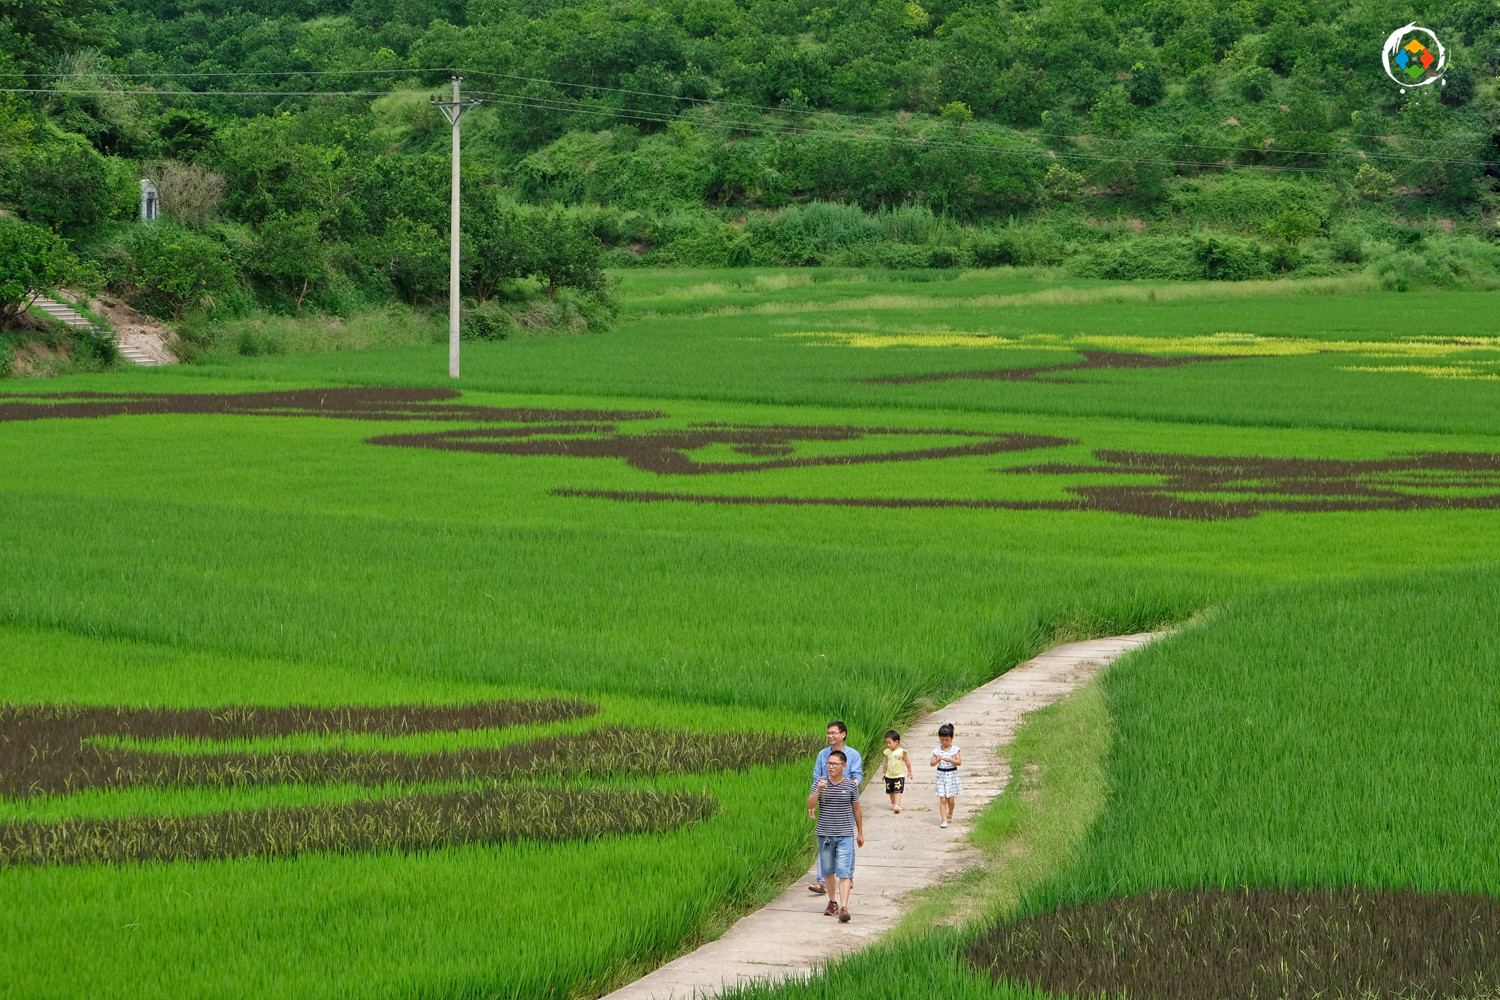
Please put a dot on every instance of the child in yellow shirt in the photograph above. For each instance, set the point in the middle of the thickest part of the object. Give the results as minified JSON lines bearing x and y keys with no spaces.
{"x":895,"y":769}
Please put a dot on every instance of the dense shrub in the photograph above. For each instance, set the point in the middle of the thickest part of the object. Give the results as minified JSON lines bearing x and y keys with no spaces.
{"x":1454,"y":263}
{"x":32,"y":259}
{"x":168,"y":268}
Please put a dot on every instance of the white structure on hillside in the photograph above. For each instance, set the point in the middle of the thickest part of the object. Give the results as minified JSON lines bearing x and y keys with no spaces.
{"x":150,"y":202}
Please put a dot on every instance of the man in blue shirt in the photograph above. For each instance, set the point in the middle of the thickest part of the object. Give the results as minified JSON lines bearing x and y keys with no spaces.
{"x":837,"y":731}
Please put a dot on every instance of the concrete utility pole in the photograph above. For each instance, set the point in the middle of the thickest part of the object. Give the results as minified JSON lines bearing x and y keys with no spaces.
{"x":453,"y":112}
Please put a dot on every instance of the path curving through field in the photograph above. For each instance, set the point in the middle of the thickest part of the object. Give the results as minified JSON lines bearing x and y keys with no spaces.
{"x":789,"y":937}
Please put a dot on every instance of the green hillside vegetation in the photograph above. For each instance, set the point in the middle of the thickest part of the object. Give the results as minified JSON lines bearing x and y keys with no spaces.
{"x":1175,"y":139}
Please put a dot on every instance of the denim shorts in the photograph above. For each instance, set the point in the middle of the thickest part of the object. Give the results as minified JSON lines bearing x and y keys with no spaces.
{"x":836,"y":856}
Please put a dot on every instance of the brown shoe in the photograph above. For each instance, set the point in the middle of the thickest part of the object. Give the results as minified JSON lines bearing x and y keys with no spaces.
{"x":844,"y":917}
{"x":832,"y":909}
{"x":817,"y":887}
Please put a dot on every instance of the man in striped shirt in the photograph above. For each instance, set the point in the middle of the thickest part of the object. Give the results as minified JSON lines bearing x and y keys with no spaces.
{"x":841,"y":827}
{"x":855,"y":769}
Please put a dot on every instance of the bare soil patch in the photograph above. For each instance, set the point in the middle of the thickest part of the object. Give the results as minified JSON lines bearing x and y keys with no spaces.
{"x":135,"y":329}
{"x":1197,"y":487}
{"x":348,"y":403}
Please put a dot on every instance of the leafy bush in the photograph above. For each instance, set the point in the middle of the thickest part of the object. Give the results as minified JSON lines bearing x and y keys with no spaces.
{"x":32,"y":259}
{"x":1256,"y":83}
{"x":1457,"y":263}
{"x":486,"y":320}
{"x":66,"y":185}
{"x":290,"y":253}
{"x":1146,"y":85}
{"x":169,"y":268}
{"x":1224,"y":258}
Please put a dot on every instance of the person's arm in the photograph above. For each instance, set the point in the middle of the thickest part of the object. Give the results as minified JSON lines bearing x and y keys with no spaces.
{"x":958,"y":758}
{"x":883,"y":765}
{"x":812,"y":804}
{"x":820,"y":772}
{"x":859,"y":825}
{"x":857,"y":770}
{"x":933,"y":762}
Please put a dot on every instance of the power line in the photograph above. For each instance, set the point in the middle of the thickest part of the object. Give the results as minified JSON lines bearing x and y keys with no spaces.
{"x":278,"y":72}
{"x":578,"y":107}
{"x":810,"y":111}
{"x":212,"y":93}
{"x":574,"y":106}
{"x":696,"y":101}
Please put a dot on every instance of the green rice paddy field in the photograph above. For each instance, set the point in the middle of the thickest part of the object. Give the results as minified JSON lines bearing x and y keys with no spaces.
{"x":768,"y":499}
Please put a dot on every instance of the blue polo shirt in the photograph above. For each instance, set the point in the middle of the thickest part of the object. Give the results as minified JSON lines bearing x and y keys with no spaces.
{"x":855,"y":770}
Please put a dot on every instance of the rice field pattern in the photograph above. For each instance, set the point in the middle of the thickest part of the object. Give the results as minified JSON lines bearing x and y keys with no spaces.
{"x":342,"y":403}
{"x":1182,"y":487}
{"x":1252,"y":943}
{"x":763,"y":447}
{"x":59,"y":749}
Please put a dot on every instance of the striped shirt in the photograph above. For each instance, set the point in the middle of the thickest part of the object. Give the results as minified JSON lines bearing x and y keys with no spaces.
{"x":836,"y":808}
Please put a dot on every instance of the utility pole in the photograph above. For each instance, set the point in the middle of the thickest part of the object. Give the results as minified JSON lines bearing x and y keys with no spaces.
{"x":453,"y":112}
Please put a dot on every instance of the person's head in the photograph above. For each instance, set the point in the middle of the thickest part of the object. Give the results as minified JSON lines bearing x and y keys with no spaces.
{"x":945,"y":733}
{"x":837,"y":761}
{"x":892,"y":739}
{"x":836,"y":733}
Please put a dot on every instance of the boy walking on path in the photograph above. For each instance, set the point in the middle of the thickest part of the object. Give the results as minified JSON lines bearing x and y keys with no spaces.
{"x":855,"y":771}
{"x":841,"y":827}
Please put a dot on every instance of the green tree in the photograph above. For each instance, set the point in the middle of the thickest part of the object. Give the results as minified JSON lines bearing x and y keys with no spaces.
{"x":567,"y":256}
{"x":65,"y":184}
{"x":499,"y":247}
{"x":32,"y":259}
{"x":957,"y":112}
{"x":291,"y":254}
{"x":415,"y":259}
{"x":175,"y":268}
{"x":35,"y":31}
{"x":1146,"y":85}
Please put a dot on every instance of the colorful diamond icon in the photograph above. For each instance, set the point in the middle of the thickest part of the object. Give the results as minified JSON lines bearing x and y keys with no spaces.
{"x":1414,"y":46}
{"x":1426,"y":59}
{"x":1402,"y":58}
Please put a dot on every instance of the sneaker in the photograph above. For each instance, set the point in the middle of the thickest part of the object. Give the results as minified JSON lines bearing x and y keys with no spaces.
{"x":943,"y":825}
{"x":898,"y":810}
{"x":844,"y":917}
{"x":832,"y":910}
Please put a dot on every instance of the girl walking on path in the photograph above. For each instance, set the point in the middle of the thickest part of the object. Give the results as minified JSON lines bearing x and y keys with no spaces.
{"x":947,"y":758}
{"x":895,"y":769}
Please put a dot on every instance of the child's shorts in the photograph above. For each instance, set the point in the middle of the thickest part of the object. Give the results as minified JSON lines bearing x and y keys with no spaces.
{"x":894,"y":786}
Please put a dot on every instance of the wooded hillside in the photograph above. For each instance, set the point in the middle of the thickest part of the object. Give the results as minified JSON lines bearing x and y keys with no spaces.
{"x":1171,"y":138}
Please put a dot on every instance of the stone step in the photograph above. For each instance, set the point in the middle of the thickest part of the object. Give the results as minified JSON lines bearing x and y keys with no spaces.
{"x":62,"y":313}
{"x":137,"y":356}
{"x":72,"y":317}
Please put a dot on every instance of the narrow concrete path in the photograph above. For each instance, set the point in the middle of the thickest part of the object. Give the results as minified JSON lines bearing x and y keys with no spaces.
{"x":790,"y":937}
